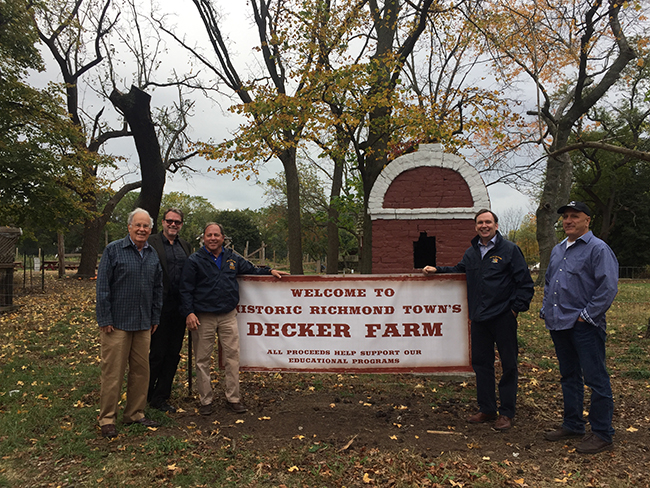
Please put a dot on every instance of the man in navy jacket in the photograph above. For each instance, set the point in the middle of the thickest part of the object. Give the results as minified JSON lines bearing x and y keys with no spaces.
{"x":209,"y":296}
{"x":499,"y":286}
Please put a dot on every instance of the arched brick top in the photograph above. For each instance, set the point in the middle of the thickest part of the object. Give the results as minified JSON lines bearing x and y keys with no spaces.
{"x":427,"y":187}
{"x":382,"y":201}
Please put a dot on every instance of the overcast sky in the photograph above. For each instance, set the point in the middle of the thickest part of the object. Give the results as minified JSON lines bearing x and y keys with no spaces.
{"x":221,"y":191}
{"x":211,"y":121}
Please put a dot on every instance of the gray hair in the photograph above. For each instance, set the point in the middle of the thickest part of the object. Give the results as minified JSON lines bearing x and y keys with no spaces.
{"x":137,"y":211}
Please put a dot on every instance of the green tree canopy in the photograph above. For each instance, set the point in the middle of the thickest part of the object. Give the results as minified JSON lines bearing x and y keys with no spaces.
{"x":617,"y":185}
{"x":37,"y":140}
{"x":196,"y":212}
{"x":241,"y":227}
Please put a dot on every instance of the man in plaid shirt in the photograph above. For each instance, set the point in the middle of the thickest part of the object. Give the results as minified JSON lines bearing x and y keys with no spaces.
{"x":129,"y":301}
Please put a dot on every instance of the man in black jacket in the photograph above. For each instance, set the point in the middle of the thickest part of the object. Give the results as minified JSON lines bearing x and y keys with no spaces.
{"x":167,"y":342}
{"x":499,"y":286}
{"x":210,"y":294}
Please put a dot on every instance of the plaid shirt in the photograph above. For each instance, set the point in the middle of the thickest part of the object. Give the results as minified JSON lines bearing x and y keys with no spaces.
{"x":129,"y":287}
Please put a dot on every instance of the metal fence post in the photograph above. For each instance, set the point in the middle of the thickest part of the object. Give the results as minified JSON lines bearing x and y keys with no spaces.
{"x":189,"y":363}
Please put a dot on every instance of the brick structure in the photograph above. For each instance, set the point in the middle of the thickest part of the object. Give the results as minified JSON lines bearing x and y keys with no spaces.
{"x":422,"y":208}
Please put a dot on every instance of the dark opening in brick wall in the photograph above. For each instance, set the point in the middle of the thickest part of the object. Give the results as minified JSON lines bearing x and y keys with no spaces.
{"x":424,"y":251}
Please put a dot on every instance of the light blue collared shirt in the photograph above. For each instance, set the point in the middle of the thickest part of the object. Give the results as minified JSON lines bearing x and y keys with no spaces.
{"x":484,"y":248}
{"x":581,"y":281}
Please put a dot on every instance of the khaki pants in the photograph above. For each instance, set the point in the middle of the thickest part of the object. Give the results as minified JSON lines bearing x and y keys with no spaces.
{"x":225,"y":326}
{"x":120,"y":348}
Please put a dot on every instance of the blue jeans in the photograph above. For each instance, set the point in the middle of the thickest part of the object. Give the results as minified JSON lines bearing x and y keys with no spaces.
{"x":581,"y":354}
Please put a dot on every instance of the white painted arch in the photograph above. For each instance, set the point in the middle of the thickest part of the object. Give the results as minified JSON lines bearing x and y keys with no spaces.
{"x":430,"y":155}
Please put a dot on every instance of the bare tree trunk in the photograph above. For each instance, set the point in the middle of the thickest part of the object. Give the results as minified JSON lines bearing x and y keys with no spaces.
{"x":332,"y":266}
{"x":136,"y":107}
{"x":556,"y":191}
{"x":90,"y":249}
{"x":93,"y":229}
{"x":380,"y":124}
{"x":365,"y":251}
{"x":375,"y":161}
{"x":294,"y":241}
{"x":60,"y":245}
{"x":338,"y":156}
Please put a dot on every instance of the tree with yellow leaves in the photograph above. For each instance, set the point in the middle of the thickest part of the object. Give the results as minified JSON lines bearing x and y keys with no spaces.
{"x":573,"y":52}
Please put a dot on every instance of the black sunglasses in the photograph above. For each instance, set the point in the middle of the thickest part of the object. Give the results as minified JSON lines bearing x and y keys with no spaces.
{"x":175,"y":222}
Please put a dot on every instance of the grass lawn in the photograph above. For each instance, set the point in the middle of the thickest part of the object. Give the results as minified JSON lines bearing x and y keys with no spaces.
{"x":395,"y":430}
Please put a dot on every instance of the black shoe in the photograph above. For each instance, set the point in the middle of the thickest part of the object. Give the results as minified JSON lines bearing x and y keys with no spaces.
{"x":144,"y":421}
{"x":109,"y":431}
{"x":164,"y":407}
{"x":237,"y":407}
{"x":206,"y":409}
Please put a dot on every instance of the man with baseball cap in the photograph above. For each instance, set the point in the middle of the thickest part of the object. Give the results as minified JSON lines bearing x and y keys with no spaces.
{"x":581,"y":283}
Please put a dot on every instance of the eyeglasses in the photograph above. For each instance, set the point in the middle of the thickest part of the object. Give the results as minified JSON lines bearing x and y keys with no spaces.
{"x":173,"y":222}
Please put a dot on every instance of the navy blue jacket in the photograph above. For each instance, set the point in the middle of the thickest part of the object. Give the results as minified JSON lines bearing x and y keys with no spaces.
{"x":497,"y":283}
{"x":205,"y":288}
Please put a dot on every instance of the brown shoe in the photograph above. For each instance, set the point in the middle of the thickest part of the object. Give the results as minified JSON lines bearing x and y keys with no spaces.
{"x":109,"y":431}
{"x":237,"y":407}
{"x":481,"y":418}
{"x":561,"y":434}
{"x":503,"y":423}
{"x":144,"y":421}
{"x":206,"y":409}
{"x":593,"y":444}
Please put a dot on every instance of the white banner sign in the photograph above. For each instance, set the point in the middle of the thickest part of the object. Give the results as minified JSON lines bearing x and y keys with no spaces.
{"x":347,"y":324}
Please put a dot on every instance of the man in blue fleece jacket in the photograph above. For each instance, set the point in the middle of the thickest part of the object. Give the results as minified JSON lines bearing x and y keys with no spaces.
{"x":209,"y":296}
{"x":499,"y":286}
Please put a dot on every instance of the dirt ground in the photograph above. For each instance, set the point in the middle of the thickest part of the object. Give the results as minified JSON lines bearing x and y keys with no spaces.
{"x":405,"y":413}
{"x":422,"y":415}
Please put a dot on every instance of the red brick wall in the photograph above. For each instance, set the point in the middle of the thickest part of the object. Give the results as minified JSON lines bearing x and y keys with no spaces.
{"x":392,"y":242}
{"x":428,"y":187}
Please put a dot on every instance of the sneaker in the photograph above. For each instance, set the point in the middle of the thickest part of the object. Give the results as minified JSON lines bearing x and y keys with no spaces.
{"x":562,"y":434}
{"x":593,"y":444}
{"x":206,"y":409}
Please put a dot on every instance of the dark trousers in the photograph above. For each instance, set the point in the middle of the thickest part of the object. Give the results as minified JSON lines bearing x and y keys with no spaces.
{"x":581,"y":354}
{"x":502,"y":331}
{"x":164,"y":355}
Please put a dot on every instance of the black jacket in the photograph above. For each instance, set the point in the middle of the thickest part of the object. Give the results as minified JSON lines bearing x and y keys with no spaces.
{"x":497,"y":283}
{"x":156,"y":241}
{"x":206,"y":288}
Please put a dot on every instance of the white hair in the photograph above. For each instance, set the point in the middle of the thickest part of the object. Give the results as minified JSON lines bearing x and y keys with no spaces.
{"x":137,"y":211}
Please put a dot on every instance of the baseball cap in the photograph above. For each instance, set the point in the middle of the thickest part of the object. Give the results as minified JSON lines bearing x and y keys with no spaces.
{"x":579,"y":206}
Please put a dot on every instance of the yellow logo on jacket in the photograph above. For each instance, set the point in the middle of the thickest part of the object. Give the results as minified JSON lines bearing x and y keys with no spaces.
{"x":496,"y":259}
{"x":232,"y":264}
